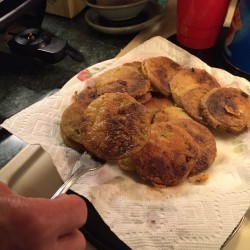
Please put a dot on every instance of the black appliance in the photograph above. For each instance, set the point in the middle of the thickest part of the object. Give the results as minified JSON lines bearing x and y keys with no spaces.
{"x":20,"y":23}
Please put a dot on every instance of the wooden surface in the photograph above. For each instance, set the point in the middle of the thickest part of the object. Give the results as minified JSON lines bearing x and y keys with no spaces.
{"x":66,"y":8}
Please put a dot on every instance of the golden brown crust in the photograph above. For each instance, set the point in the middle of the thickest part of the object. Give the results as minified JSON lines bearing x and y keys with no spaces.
{"x":127,"y":165}
{"x":227,"y":109}
{"x":155,"y":104}
{"x":160,"y":70}
{"x":87,"y":95}
{"x":199,"y":178}
{"x":71,"y":121}
{"x":136,"y":64}
{"x":115,"y":126}
{"x":170,"y":113}
{"x":168,"y":156}
{"x":144,"y":98}
{"x":206,"y":144}
{"x":72,"y":144}
{"x":122,"y":79}
{"x":190,"y":78}
{"x":191,"y":101}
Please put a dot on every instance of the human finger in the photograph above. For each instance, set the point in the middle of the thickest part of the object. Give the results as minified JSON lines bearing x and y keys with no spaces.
{"x":4,"y":189}
{"x":71,"y":213}
{"x":74,"y":240}
{"x":48,"y":219}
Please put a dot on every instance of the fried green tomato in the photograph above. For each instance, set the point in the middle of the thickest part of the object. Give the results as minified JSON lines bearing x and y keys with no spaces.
{"x":155,"y":104}
{"x":170,"y":113}
{"x":122,"y":79}
{"x":168,"y":156}
{"x":227,"y":109}
{"x":160,"y":70}
{"x":206,"y":144}
{"x":71,"y":125}
{"x":191,"y":101}
{"x":72,"y":144}
{"x":190,"y":78}
{"x":115,"y":126}
{"x":87,"y":95}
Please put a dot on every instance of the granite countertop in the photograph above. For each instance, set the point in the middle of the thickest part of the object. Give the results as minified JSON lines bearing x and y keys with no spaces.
{"x":24,"y":81}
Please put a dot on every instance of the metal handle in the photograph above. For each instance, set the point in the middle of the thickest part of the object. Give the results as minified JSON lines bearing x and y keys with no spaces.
{"x":69,"y":182}
{"x":65,"y":186}
{"x":86,"y":164}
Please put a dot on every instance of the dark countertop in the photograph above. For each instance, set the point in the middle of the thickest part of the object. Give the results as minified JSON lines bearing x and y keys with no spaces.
{"x":24,"y":81}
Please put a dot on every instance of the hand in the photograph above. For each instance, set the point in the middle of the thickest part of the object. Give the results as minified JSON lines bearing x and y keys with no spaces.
{"x":41,"y":224}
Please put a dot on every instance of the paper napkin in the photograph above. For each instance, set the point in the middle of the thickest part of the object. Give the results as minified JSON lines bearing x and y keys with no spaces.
{"x":187,"y":216}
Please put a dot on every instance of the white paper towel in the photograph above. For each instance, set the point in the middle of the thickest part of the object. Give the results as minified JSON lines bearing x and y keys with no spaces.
{"x":187,"y":216}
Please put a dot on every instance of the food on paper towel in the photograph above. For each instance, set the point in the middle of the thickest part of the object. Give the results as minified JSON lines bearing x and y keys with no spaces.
{"x":127,"y":164}
{"x":205,"y":141}
{"x":114,"y":126}
{"x":170,"y":113}
{"x":190,"y":78}
{"x":123,"y":79}
{"x":153,"y":118}
{"x":155,"y":104}
{"x":87,"y":95}
{"x":191,"y":101}
{"x":160,"y":70}
{"x":70,"y":125}
{"x":168,"y":157}
{"x":227,"y":109}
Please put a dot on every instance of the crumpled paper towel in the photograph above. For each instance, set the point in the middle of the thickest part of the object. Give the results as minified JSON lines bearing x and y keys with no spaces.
{"x":187,"y":216}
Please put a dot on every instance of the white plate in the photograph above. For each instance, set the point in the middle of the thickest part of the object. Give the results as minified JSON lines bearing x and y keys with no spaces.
{"x":151,"y":13}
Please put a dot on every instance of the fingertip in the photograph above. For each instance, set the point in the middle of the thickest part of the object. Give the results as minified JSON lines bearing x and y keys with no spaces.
{"x":4,"y":189}
{"x":80,"y":203}
{"x":73,"y":240}
{"x":75,"y":204}
{"x":61,"y":196}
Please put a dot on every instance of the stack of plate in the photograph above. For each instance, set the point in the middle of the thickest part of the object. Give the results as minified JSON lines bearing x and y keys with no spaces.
{"x":122,"y":19}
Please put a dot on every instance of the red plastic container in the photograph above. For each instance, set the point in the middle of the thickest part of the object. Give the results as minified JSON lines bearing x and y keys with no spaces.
{"x":199,"y":22}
